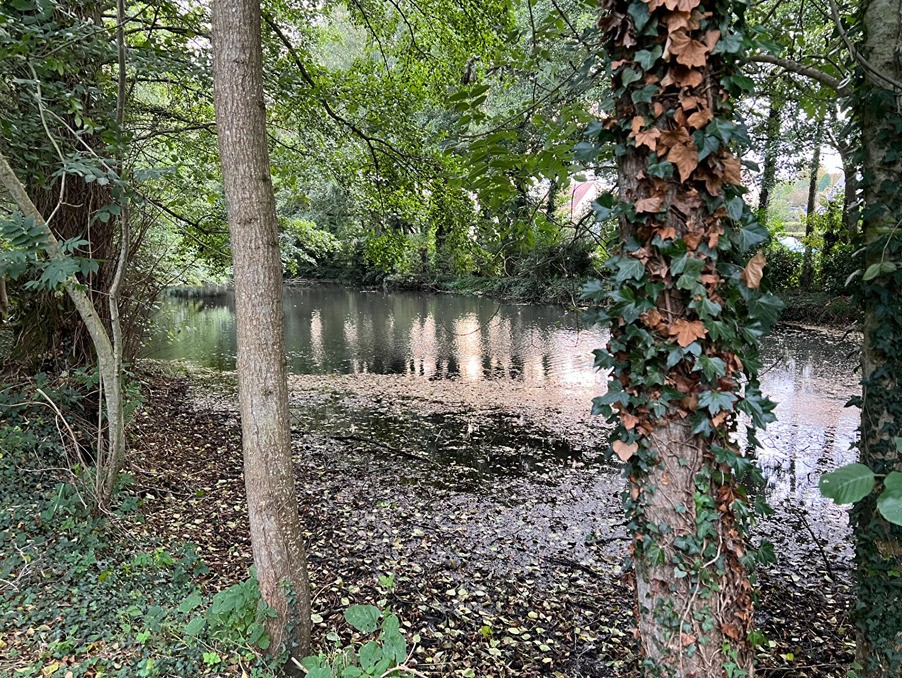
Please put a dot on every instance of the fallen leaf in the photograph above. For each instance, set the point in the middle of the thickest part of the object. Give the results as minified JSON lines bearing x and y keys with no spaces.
{"x":686,"y":331}
{"x":754,"y":271}
{"x":625,"y":450}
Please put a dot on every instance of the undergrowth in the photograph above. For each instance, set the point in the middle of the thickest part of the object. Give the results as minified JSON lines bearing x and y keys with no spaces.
{"x":88,"y":594}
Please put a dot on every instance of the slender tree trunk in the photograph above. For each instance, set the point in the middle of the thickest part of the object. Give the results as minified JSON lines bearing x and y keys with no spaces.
{"x":850,"y":207}
{"x":878,"y":543}
{"x":112,"y":455}
{"x":693,"y":597}
{"x":771,"y":153}
{"x":813,"y":169}
{"x":4,"y":299}
{"x":276,"y":535}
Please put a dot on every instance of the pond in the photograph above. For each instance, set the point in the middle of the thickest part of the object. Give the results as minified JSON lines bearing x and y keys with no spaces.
{"x":495,"y":389}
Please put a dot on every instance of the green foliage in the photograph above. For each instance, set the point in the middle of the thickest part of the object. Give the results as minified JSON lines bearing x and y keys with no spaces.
{"x":848,"y":484}
{"x":853,"y":482}
{"x":27,"y":255}
{"x":238,"y":615}
{"x":377,"y":656}
{"x":85,"y":595}
{"x":303,"y":246}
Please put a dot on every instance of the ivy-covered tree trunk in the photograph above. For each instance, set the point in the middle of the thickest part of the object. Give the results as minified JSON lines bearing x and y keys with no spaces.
{"x":685,"y":318}
{"x":878,"y":611}
{"x":813,"y":170}
{"x":276,"y":536}
{"x":771,"y":152}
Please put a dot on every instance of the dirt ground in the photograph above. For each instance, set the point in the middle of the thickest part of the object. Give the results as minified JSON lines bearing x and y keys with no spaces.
{"x":484,"y":519}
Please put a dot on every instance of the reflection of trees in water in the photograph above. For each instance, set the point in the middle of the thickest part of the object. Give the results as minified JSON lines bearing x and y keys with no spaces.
{"x":335,"y":330}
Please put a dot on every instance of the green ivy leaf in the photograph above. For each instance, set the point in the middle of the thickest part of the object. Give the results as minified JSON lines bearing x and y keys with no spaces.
{"x":629,"y":268}
{"x":848,"y":484}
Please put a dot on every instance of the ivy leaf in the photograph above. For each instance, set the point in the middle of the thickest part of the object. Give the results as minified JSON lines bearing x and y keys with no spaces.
{"x":625,"y":450}
{"x":629,"y":268}
{"x":686,"y":332}
{"x":766,"y":309}
{"x":754,"y":271}
{"x":847,"y":484}
{"x":717,"y":401}
{"x":712,"y":367}
{"x":647,"y":59}
{"x":890,"y":502}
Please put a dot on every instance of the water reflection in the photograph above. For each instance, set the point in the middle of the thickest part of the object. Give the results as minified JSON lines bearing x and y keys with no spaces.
{"x":333,"y":330}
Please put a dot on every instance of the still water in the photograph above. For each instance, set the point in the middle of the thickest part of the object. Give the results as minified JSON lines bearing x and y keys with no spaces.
{"x":334,"y":330}
{"x":810,"y":373}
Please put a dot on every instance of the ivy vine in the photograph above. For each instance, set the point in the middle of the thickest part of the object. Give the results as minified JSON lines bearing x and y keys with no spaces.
{"x":686,"y":314}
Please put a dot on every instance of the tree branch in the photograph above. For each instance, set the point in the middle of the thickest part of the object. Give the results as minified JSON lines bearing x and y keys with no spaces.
{"x":807,"y":71}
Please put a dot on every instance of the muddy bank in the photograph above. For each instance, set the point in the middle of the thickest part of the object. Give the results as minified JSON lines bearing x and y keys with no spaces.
{"x":489,"y":506}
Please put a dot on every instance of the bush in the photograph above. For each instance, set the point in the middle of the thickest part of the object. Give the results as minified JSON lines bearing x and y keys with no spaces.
{"x":784,"y":267}
{"x":836,"y":267}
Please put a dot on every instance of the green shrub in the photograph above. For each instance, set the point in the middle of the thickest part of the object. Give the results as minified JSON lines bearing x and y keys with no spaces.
{"x":784,"y":267}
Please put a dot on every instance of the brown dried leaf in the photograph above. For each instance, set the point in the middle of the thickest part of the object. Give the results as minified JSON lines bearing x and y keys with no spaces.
{"x":754,"y":271}
{"x":689,"y":52}
{"x":711,"y":38}
{"x":652,"y":204}
{"x":685,"y":157}
{"x":668,"y":232}
{"x":651,"y":319}
{"x":688,"y":21}
{"x":687,"y":331}
{"x":629,"y":420}
{"x":700,"y":118}
{"x":648,"y":138}
{"x":693,"y":240}
{"x":732,"y":170}
{"x":625,"y":450}
{"x":636,"y":125}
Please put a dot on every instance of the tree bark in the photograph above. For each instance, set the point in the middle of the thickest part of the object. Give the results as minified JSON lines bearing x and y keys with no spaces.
{"x":813,"y":170}
{"x":878,"y":543}
{"x":771,"y":153}
{"x":850,"y":207}
{"x":276,"y":534}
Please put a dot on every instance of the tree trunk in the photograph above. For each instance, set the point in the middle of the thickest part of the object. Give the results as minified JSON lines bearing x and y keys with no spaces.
{"x":771,"y":153}
{"x":813,"y":170}
{"x":4,"y":300}
{"x":878,"y":543}
{"x":850,"y":207}
{"x":693,"y":597}
{"x":276,"y":535}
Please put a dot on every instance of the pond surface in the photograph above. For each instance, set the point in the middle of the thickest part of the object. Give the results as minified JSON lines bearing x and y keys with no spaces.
{"x":479,"y":346}
{"x":335,"y":330}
